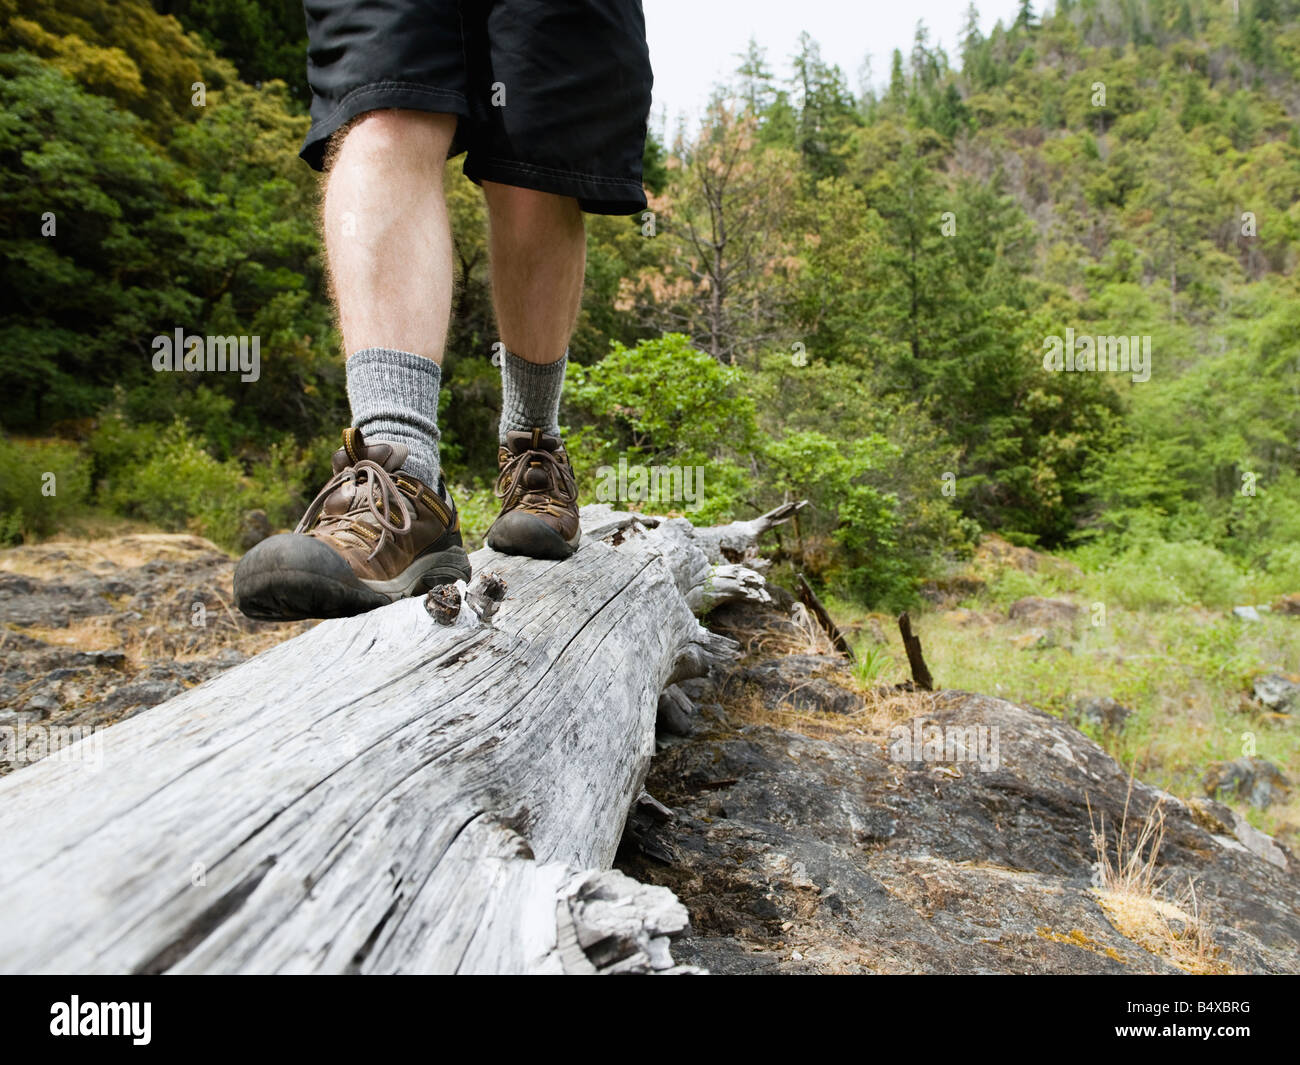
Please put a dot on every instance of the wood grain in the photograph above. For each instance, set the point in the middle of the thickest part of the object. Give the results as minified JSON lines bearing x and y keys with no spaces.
{"x":382,"y":793}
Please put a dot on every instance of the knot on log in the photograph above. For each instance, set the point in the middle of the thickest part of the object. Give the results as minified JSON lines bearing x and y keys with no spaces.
{"x":486,"y":596}
{"x":443,"y":603}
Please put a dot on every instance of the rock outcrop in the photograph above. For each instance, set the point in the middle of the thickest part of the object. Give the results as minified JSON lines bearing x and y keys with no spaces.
{"x":94,"y":632}
{"x":885,"y":846}
{"x":1278,"y":692}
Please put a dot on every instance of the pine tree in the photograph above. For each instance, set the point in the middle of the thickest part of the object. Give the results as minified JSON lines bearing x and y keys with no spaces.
{"x":826,"y":109}
{"x":897,"y":95}
{"x":755,"y":87}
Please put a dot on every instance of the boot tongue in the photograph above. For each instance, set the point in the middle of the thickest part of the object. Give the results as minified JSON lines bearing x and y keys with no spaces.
{"x":355,"y":448}
{"x":520,"y":440}
{"x":537,"y":477}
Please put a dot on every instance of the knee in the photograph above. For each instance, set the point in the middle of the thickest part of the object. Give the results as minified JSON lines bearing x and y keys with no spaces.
{"x":530,"y":207}
{"x":396,"y":134}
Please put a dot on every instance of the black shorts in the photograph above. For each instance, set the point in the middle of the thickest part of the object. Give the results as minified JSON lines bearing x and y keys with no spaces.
{"x":552,"y":94}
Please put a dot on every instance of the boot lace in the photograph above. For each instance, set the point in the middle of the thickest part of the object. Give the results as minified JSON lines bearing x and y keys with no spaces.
{"x":370,"y":506}
{"x":561,"y":489}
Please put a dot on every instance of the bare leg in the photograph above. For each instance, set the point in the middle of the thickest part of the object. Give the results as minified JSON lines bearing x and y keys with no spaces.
{"x":389,"y":247}
{"x":539,"y":255}
{"x":387,"y":235}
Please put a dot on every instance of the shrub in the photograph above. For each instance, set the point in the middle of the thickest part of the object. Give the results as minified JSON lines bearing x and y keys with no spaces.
{"x":180,"y":486}
{"x":665,"y":403}
{"x":289,"y":476}
{"x":861,"y":519}
{"x":1204,"y":574}
{"x":118,"y":443}
{"x":44,"y":481}
{"x":1283,"y":570}
{"x":1011,"y":584}
{"x":167,"y":475}
{"x":1158,"y":575}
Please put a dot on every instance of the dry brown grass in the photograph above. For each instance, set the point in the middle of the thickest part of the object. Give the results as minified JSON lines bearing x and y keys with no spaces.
{"x":808,"y":638}
{"x":160,"y":633}
{"x":85,"y":634}
{"x":1136,"y":900}
{"x":57,"y":559}
{"x":880,"y":708}
{"x":1076,"y":937}
{"x":149,"y":640}
{"x":880,"y":711}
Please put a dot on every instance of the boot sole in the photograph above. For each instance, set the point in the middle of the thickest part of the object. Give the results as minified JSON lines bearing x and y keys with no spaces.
{"x":516,"y":533}
{"x":292,"y":577}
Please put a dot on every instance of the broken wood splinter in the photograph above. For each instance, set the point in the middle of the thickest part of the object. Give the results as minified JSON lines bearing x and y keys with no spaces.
{"x":443,"y":603}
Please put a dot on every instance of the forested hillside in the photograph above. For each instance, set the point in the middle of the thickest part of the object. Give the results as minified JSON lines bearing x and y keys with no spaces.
{"x":841,"y":296}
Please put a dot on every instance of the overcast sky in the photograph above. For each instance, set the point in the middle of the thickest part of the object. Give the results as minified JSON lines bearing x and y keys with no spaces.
{"x":693,"y":42}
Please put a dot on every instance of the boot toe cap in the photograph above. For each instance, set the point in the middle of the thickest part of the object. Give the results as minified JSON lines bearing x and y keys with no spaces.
{"x":519,"y":533}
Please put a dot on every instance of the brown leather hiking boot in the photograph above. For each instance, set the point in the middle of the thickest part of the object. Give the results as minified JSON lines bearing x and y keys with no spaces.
{"x":371,"y":536}
{"x":539,"y":499}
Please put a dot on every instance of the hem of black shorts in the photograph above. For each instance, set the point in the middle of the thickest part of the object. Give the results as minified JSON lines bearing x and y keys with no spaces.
{"x":595,"y":194}
{"x":378,"y":96}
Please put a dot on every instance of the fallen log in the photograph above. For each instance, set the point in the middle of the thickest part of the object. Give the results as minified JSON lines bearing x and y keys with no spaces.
{"x":386,"y":793}
{"x":738,"y":541}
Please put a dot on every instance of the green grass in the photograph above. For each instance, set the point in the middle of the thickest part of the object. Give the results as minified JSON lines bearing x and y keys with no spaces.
{"x":478,"y":507}
{"x":873,"y":663}
{"x":1184,"y":668}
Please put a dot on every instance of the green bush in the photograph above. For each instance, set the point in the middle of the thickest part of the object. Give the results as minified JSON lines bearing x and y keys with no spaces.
{"x":1204,"y":574}
{"x":1012,"y":584}
{"x":180,"y":486}
{"x":44,"y":481}
{"x":861,"y":519}
{"x":1282,"y":574}
{"x":168,"y":476}
{"x":1159,"y":575}
{"x":118,"y":443}
{"x":289,"y":477}
{"x":665,"y":403}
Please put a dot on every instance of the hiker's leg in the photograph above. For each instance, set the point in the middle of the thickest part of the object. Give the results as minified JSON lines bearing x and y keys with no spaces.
{"x":538,"y":247}
{"x":388,"y":240}
{"x":387,"y":235}
{"x":382,"y":528}
{"x":547,"y":148}
{"x":389,"y":90}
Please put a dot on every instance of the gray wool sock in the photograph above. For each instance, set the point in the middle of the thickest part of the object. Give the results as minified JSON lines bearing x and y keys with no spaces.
{"x":530,"y":394}
{"x":394,"y":398}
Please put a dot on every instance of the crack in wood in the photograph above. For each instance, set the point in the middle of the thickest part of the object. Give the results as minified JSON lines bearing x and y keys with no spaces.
{"x":205,"y":923}
{"x":359,"y":958}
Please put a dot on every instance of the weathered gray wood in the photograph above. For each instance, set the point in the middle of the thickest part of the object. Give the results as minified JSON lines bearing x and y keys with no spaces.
{"x":738,"y":541}
{"x":675,"y":711}
{"x":706,"y":577}
{"x":380,"y":794}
